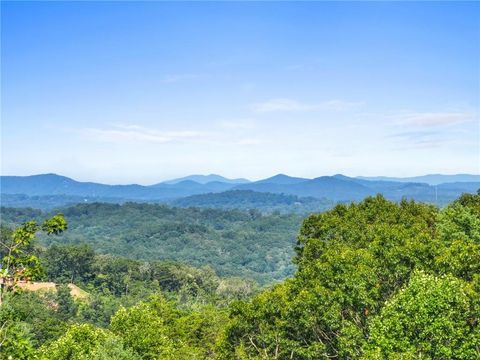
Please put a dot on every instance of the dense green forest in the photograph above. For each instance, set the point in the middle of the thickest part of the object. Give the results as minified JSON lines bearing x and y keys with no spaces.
{"x":31,"y":320}
{"x":266,"y":203}
{"x":248,"y":199}
{"x":374,"y":280}
{"x":235,"y":243}
{"x":50,"y":202}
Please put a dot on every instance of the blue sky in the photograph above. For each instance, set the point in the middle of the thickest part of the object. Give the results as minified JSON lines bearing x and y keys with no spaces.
{"x":142,"y":92}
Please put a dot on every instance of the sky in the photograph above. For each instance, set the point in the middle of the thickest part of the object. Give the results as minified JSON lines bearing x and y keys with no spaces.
{"x":140,"y":92}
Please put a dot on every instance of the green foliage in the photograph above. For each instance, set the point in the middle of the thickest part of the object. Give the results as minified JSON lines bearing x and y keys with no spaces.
{"x":230,"y":289}
{"x":55,"y":225}
{"x":38,"y":318}
{"x":263,"y":201}
{"x":121,"y":277}
{"x":18,"y":216}
{"x":51,"y":202}
{"x":430,"y":318}
{"x":15,"y":338}
{"x":85,"y":342}
{"x":235,"y":243}
{"x":5,"y":238}
{"x":459,"y":231}
{"x":157,"y":330}
{"x":258,"y":329}
{"x":146,"y":328}
{"x":66,"y":307}
{"x":353,"y":262}
{"x":18,"y":262}
{"x":69,"y":263}
{"x":375,"y":280}
{"x":38,"y":313}
{"x":101,"y":307}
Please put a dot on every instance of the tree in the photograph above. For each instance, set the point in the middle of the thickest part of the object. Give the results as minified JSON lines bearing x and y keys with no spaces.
{"x":69,"y":263}
{"x":19,"y":263}
{"x":257,"y":329}
{"x":15,"y":337}
{"x":430,"y":318}
{"x":37,"y":312}
{"x":350,"y":261}
{"x":146,"y":328}
{"x":458,"y":229}
{"x":86,"y":342}
{"x":155,"y":329}
{"x":66,"y":306}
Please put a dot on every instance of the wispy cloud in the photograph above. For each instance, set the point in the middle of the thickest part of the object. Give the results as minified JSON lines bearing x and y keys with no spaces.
{"x":435,"y":118}
{"x":419,"y":139}
{"x":290,"y":105}
{"x":426,"y":130}
{"x":415,"y":135}
{"x":138,"y":134}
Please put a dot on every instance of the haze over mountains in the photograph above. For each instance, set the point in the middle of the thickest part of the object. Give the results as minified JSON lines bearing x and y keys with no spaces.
{"x":205,"y":179}
{"x":432,"y":179}
{"x":56,"y":190}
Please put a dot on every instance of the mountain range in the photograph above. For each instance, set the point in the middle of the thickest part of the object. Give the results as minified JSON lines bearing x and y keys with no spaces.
{"x":431,"y":179}
{"x":57,"y":189}
{"x":205,"y":179}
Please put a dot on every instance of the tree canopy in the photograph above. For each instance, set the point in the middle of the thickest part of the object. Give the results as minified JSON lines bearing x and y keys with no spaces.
{"x":374,"y":280}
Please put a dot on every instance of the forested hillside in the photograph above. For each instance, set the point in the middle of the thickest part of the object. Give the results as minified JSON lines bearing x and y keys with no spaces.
{"x":234,"y":243}
{"x":374,"y":280}
{"x":264,"y":202}
{"x":50,"y":202}
{"x":32,"y":321}
{"x":232,"y":199}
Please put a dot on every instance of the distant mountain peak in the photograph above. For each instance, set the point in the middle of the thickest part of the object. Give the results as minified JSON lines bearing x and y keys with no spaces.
{"x":282,"y":179}
{"x":205,"y":179}
{"x":336,"y":188}
{"x":47,"y":175}
{"x":341,"y":176}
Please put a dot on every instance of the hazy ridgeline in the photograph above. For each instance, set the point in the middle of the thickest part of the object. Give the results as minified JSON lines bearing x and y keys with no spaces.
{"x":278,"y":193}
